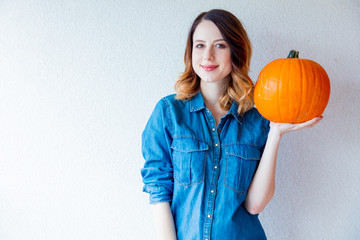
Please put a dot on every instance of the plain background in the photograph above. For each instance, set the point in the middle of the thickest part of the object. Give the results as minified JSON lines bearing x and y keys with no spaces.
{"x":79,"y":80}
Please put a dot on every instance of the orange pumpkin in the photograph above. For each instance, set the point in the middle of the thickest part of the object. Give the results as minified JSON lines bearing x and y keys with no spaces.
{"x":292,"y":90}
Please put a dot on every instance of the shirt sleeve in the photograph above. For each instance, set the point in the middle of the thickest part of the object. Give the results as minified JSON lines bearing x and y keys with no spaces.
{"x":157,"y":173}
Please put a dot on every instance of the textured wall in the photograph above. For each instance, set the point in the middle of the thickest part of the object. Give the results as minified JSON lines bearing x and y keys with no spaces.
{"x":79,"y":79}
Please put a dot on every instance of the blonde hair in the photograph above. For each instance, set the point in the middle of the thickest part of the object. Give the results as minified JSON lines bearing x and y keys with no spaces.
{"x":240,"y":88}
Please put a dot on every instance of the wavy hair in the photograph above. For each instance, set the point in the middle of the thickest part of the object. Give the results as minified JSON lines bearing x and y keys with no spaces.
{"x":240,"y":88}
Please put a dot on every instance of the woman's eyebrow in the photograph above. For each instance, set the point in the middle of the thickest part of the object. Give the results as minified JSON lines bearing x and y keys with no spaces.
{"x":217,"y":40}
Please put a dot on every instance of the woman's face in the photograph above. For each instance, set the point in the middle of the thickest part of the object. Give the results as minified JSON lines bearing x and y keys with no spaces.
{"x":211,"y":56}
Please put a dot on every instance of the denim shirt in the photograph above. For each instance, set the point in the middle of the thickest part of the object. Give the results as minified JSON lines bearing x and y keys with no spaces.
{"x":203,"y":170}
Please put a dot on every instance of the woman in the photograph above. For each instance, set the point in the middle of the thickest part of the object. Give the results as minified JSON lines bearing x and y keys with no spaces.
{"x":210,"y":157}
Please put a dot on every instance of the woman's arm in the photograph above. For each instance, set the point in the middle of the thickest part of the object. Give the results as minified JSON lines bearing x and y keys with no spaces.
{"x":157,"y":173}
{"x":262,"y":187}
{"x":163,"y":221}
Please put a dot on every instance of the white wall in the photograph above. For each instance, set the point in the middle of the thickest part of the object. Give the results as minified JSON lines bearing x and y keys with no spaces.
{"x":79,"y":79}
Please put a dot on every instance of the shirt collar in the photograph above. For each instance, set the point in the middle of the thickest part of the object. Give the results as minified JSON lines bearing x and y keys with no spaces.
{"x":233,"y":111}
{"x":197,"y":103}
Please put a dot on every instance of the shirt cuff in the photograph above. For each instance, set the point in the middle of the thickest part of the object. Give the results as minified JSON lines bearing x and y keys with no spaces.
{"x":158,"y":194}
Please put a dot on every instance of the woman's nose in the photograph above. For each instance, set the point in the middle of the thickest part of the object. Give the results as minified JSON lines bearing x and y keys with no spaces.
{"x":208,"y":54}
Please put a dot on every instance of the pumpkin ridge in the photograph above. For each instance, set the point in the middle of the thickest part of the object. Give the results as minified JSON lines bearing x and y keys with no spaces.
{"x":310,"y":95}
{"x":304,"y":78}
{"x":288,"y":95}
{"x":312,"y":108}
{"x":318,"y":104}
{"x":328,"y":88}
{"x":293,"y":84}
{"x":280,"y":91}
{"x":320,"y":100}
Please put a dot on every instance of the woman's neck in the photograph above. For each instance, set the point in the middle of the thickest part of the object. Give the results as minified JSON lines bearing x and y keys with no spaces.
{"x":212,"y":91}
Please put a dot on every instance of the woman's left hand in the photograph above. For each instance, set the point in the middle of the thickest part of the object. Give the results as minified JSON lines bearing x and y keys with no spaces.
{"x":283,"y":128}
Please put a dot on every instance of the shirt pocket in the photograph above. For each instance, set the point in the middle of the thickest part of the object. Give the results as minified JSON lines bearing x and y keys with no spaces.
{"x":241,"y":163}
{"x":189,"y":157}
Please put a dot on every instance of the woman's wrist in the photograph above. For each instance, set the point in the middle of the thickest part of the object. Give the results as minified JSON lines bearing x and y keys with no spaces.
{"x":275,"y":132}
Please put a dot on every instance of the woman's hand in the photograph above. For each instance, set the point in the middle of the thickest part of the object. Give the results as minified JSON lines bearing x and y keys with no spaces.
{"x":282,"y":128}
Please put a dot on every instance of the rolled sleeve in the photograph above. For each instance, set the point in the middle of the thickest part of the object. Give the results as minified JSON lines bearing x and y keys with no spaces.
{"x":158,"y":194}
{"x":157,"y":173}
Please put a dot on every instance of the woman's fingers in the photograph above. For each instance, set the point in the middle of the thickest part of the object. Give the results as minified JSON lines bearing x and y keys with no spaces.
{"x":290,"y":127}
{"x":310,"y":123}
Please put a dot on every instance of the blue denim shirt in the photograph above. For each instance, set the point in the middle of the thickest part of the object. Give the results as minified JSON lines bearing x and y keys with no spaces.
{"x":203,"y":170}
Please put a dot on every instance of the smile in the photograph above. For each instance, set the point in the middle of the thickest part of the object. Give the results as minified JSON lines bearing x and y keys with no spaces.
{"x":209,"y":68}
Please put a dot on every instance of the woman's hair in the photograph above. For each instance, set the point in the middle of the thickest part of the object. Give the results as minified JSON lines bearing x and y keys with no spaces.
{"x":240,"y":86}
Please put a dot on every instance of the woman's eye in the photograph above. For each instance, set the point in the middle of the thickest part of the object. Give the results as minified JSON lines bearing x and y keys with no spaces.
{"x":220,"y":45}
{"x":199,"y":45}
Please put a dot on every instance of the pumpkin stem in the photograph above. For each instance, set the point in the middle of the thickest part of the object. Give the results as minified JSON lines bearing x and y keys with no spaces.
{"x":293,"y":54}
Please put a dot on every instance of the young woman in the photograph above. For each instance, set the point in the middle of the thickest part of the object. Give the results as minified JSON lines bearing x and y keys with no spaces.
{"x":210,"y":157}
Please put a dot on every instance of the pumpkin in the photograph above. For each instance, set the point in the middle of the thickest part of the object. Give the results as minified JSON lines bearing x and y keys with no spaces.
{"x":292,"y":90}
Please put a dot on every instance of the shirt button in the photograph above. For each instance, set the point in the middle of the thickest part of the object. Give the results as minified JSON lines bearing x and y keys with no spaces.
{"x":213,"y":129}
{"x":206,"y":239}
{"x":216,"y":145}
{"x":209,"y":216}
{"x":212,"y":191}
{"x":215,"y":167}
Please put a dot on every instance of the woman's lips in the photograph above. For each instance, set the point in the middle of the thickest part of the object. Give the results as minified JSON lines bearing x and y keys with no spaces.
{"x":209,"y":68}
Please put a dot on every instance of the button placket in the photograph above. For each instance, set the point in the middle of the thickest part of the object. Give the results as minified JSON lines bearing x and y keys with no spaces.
{"x":214,"y":175}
